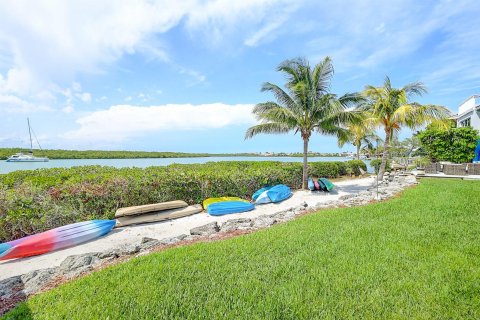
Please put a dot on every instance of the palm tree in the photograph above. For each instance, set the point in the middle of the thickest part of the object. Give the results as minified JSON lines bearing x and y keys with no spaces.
{"x":391,"y":108}
{"x":360,"y":134}
{"x":306,"y":106}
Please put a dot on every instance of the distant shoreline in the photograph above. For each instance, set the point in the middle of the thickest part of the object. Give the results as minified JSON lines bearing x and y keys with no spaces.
{"x":100,"y":154}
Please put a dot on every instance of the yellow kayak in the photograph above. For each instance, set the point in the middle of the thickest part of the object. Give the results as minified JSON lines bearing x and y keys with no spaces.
{"x":209,"y":201}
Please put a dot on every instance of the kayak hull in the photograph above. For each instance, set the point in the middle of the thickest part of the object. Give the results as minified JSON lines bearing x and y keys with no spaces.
{"x":159,"y":216}
{"x":136,"y":210}
{"x":207,"y":202}
{"x":55,"y":239}
{"x":274,"y":194}
{"x":229,"y":207}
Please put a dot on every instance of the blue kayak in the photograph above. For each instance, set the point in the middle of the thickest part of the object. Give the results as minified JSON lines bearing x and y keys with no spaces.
{"x":274,"y":194}
{"x":229,"y":207}
{"x":259,"y":192}
{"x":310,"y":184}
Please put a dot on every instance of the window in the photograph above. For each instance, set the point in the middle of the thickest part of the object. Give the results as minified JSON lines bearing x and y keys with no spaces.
{"x":465,"y":123}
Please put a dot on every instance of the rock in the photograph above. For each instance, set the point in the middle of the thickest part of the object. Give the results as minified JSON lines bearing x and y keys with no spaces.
{"x":299,"y":209}
{"x":346,"y":197}
{"x":173,"y":240}
{"x":79,"y":263}
{"x":145,"y":245}
{"x":236,"y":224}
{"x":147,"y":239}
{"x":205,"y":230}
{"x":10,"y":286}
{"x":304,"y":204}
{"x":128,"y":249}
{"x":109,"y":254}
{"x":263,"y":221}
{"x":34,"y":281}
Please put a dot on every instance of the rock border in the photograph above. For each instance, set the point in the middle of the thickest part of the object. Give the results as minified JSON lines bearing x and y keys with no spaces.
{"x":18,"y":288}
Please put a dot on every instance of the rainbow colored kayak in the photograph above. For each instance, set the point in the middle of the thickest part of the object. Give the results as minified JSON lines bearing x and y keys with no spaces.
{"x":55,"y":239}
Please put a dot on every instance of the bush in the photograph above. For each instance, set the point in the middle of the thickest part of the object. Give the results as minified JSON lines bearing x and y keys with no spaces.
{"x":454,"y":145}
{"x":375,"y":163}
{"x":327,"y":169}
{"x":38,"y":200}
{"x":355,"y":165}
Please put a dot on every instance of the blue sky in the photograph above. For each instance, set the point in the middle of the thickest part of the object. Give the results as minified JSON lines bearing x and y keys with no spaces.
{"x":183,"y":76}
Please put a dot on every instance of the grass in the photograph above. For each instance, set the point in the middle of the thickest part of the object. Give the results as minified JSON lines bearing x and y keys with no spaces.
{"x":413,"y":257}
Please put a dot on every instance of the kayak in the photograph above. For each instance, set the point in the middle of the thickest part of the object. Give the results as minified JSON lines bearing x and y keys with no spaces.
{"x":259,"y":192}
{"x":158,"y":215}
{"x":310,"y":184}
{"x":131,"y":211}
{"x":55,"y":239}
{"x":210,"y":201}
{"x":327,"y":184}
{"x":274,"y":194}
{"x":229,"y":207}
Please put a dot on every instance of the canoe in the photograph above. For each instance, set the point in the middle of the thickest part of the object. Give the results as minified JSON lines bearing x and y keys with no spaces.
{"x":158,"y":216}
{"x":327,"y":183}
{"x":55,"y":239}
{"x":229,"y":207}
{"x":274,"y":194}
{"x":259,"y":192}
{"x":136,"y":210}
{"x":210,"y":201}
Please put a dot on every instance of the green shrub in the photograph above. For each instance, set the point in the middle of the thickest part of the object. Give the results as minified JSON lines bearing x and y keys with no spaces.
{"x":455,"y":144}
{"x":375,"y":163}
{"x":354,"y":166}
{"x":37,"y":200}
{"x":332,"y":169}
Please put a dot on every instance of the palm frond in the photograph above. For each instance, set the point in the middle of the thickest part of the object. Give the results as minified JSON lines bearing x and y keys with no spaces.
{"x":267,"y":128}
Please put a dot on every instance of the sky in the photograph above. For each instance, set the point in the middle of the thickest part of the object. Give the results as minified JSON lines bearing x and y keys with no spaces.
{"x":184,"y":75}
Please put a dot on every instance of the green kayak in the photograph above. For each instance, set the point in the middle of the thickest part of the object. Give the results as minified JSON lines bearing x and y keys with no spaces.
{"x":327,"y":183}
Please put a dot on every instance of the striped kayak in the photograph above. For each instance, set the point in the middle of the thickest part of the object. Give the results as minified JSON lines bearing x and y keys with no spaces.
{"x":229,"y":207}
{"x":274,"y":194}
{"x":210,"y":201}
{"x":55,"y":239}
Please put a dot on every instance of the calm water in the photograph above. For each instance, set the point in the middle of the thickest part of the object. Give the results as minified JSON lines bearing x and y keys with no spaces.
{"x":6,"y":167}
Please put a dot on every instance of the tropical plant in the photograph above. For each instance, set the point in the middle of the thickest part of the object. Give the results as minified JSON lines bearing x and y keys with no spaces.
{"x":391,"y":109}
{"x":305,"y":107}
{"x":360,"y":134}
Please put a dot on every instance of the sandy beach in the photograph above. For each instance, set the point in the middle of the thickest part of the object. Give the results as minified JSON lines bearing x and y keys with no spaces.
{"x":160,"y":230}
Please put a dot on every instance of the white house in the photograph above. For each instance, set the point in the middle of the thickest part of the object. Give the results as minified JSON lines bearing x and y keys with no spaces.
{"x":469,"y":113}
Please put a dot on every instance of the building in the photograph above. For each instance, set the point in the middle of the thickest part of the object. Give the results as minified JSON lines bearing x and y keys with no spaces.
{"x":469,"y":113}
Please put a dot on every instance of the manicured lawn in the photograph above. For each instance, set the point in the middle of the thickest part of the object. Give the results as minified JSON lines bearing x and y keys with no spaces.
{"x":416,"y":256}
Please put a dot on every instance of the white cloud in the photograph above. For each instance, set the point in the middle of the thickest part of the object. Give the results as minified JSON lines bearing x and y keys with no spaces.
{"x":85,"y":97}
{"x":50,"y":42}
{"x":122,"y":122}
{"x":13,"y":104}
{"x":68,"y":109}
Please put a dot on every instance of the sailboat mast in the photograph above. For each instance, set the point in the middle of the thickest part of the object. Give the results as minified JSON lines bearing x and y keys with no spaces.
{"x":30,"y":133}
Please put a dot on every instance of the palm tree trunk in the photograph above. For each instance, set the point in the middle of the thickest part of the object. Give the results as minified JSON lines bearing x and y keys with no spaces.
{"x":305,"y":163}
{"x":383,"y":164}
{"x":358,"y":152}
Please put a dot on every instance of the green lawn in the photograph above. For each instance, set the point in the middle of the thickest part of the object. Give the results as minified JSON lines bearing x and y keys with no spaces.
{"x":416,"y":256}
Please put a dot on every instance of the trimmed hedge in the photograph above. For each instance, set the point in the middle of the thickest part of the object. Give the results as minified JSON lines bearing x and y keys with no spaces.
{"x":38,"y":200}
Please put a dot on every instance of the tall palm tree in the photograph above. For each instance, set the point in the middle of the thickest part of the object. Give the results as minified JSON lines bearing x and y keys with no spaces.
{"x":306,"y":106}
{"x":360,"y":134}
{"x":391,"y":109}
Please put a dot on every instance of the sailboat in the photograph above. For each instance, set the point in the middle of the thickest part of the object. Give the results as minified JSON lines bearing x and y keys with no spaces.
{"x":29,"y":157}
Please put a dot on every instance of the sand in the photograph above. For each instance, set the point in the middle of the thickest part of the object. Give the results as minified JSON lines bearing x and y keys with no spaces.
{"x":165,"y":229}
